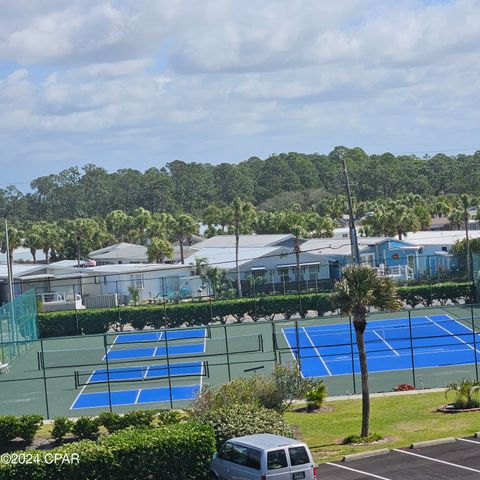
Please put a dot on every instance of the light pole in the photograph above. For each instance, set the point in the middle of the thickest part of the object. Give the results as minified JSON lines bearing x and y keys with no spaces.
{"x":351,"y":220}
{"x":9,"y":260}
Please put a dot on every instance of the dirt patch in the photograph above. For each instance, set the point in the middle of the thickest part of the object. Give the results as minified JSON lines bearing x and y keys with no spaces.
{"x":324,"y":409}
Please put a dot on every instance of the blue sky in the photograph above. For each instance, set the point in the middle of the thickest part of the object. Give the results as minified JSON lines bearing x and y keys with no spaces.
{"x":138,"y":84}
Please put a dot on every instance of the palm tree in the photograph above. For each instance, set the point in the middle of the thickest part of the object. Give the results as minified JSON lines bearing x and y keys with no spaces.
{"x":15,"y":237}
{"x":117,"y":224}
{"x":243,"y":216}
{"x":359,"y":290}
{"x":158,"y":249}
{"x":466,"y":392}
{"x":216,"y":278}
{"x":32,"y":241}
{"x":141,"y":221}
{"x":184,"y":226}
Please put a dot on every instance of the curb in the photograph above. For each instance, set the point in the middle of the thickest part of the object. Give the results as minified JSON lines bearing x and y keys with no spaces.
{"x":359,"y":456}
{"x":431,"y":443}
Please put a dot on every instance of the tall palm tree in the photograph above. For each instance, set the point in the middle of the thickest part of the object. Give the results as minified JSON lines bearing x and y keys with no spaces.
{"x":141,"y":221}
{"x":243,"y":216}
{"x":159,"y":249}
{"x":117,"y":224}
{"x":32,"y":241}
{"x":359,"y":290}
{"x":184,"y":226}
{"x":15,"y":237}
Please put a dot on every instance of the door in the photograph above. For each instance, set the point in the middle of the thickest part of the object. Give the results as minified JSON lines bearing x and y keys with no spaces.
{"x":300,"y":463}
{"x":277,"y":465}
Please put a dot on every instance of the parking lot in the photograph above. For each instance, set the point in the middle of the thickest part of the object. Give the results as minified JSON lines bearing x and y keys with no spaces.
{"x":459,"y":459}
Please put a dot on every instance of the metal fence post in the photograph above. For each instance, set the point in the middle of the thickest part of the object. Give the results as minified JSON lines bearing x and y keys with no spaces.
{"x":411,"y":347}
{"x":297,"y":339}
{"x":168,"y":371}
{"x":353,"y":356}
{"x":227,"y":351}
{"x":474,"y":342}
{"x":107,"y":365}
{"x":44,"y":379}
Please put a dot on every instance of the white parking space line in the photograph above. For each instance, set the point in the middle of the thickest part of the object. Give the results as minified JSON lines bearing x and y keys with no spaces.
{"x":372,"y":475}
{"x":467,"y":440}
{"x":437,"y":460}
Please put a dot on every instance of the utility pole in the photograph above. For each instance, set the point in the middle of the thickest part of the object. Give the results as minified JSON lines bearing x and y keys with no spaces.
{"x":351,"y":220}
{"x":9,"y":262}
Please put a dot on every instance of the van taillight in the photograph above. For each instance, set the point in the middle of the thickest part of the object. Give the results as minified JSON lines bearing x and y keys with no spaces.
{"x":314,"y":472}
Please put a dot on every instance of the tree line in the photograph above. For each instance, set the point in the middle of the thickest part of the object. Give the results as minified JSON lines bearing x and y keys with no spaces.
{"x":75,"y":238}
{"x":271,"y":184}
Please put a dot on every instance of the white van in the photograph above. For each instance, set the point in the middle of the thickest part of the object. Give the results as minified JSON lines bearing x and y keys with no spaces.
{"x":263,"y":457}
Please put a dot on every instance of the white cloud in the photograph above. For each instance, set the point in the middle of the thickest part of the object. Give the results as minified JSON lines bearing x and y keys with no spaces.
{"x":113,"y":81}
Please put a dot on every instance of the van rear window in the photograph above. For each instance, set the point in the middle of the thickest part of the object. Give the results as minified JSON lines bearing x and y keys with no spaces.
{"x":298,"y":456}
{"x":276,"y":459}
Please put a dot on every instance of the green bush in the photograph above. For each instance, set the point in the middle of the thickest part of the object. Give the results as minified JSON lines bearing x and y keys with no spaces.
{"x":61,"y":427}
{"x":244,"y":419}
{"x":315,"y":396}
{"x":168,"y":417}
{"x":112,"y":422}
{"x":138,"y":418}
{"x":200,"y":313}
{"x":176,"y":452}
{"x":354,"y":439}
{"x":28,"y":426}
{"x":86,"y":428}
{"x":8,"y":429}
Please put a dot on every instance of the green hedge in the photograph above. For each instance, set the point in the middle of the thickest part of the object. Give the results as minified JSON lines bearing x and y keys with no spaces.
{"x":199,"y":313}
{"x":177,"y":452}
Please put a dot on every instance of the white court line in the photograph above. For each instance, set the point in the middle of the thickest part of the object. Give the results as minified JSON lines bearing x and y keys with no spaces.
{"x":202,"y":368}
{"x":318,"y":353}
{"x":78,"y":396}
{"x":291,"y":351}
{"x":386,"y":343}
{"x":138,"y":396}
{"x":437,"y":460}
{"x":451,"y":333}
{"x":358,"y":471}
{"x":146,"y":372}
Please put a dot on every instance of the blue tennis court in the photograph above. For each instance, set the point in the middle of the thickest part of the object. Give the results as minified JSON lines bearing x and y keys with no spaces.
{"x":436,"y":340}
{"x":145,"y":372}
{"x":155,"y":352}
{"x":159,"y":336}
{"x":134,"y":397}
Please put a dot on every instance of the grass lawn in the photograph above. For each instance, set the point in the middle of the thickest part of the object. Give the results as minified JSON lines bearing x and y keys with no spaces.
{"x":401,"y":419}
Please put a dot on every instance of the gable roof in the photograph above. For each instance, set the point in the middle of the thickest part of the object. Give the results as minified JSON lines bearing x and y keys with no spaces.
{"x":120,"y":250}
{"x":225,"y":257}
{"x":246,"y":241}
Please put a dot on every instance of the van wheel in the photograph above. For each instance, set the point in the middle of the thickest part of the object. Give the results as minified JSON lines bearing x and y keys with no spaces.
{"x":212,"y":476}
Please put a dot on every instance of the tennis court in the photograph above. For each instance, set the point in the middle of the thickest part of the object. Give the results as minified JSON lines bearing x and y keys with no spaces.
{"x":392,"y":344}
{"x":166,"y":368}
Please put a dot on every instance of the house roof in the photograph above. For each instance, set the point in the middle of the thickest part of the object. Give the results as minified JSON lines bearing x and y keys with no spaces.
{"x":20,"y":270}
{"x":445,"y":237}
{"x":228,"y":241}
{"x":120,"y":250}
{"x":127,"y":268}
{"x":225,"y":257}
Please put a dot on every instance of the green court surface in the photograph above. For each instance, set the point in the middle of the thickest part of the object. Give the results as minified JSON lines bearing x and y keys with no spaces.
{"x":127,"y":371}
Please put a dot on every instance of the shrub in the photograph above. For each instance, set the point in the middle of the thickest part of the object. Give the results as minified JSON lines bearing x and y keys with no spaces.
{"x":315,"y":396}
{"x":61,"y":427}
{"x":112,"y":422}
{"x":8,"y":429}
{"x":177,"y":452}
{"x":466,"y":393}
{"x":354,"y":439}
{"x":138,"y":419}
{"x":403,"y":387}
{"x":168,"y":417}
{"x":28,"y":426}
{"x":244,"y":419}
{"x":86,"y":428}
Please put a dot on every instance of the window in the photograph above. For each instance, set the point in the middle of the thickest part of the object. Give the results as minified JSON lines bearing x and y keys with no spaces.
{"x":444,"y":249}
{"x":283,"y":272}
{"x":298,"y":456}
{"x":276,"y":459}
{"x":226,"y":453}
{"x":368,"y":258}
{"x":137,"y":280}
{"x":247,"y":457}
